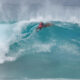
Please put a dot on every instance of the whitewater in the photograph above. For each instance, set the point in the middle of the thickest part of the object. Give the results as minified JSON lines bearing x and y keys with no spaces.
{"x":52,"y":53}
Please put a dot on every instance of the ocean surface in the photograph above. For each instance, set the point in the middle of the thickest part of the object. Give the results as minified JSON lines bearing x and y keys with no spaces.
{"x":52,"y":53}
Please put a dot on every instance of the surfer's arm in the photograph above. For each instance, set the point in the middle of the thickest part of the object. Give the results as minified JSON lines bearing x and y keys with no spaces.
{"x":48,"y":24}
{"x":37,"y":29}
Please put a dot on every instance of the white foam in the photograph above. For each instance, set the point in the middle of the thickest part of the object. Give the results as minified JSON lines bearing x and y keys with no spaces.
{"x":45,"y":11}
{"x":4,"y":38}
{"x":77,"y":41}
{"x":70,"y":48}
{"x":43,"y":47}
{"x":7,"y":37}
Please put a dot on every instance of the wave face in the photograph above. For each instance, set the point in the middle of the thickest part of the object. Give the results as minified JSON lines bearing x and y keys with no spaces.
{"x":53,"y":52}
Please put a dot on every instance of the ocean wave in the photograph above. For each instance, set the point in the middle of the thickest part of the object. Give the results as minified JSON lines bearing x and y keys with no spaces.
{"x":21,"y":37}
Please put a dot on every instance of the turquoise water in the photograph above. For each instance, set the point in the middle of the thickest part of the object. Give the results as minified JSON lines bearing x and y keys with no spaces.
{"x":51,"y":53}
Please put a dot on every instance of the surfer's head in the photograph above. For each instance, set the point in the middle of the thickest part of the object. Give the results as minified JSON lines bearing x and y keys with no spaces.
{"x":41,"y":23}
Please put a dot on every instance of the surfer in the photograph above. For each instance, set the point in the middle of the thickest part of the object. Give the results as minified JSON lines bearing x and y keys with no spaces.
{"x":42,"y":25}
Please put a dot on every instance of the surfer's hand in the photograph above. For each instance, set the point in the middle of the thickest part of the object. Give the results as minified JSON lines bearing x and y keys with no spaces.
{"x":37,"y":29}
